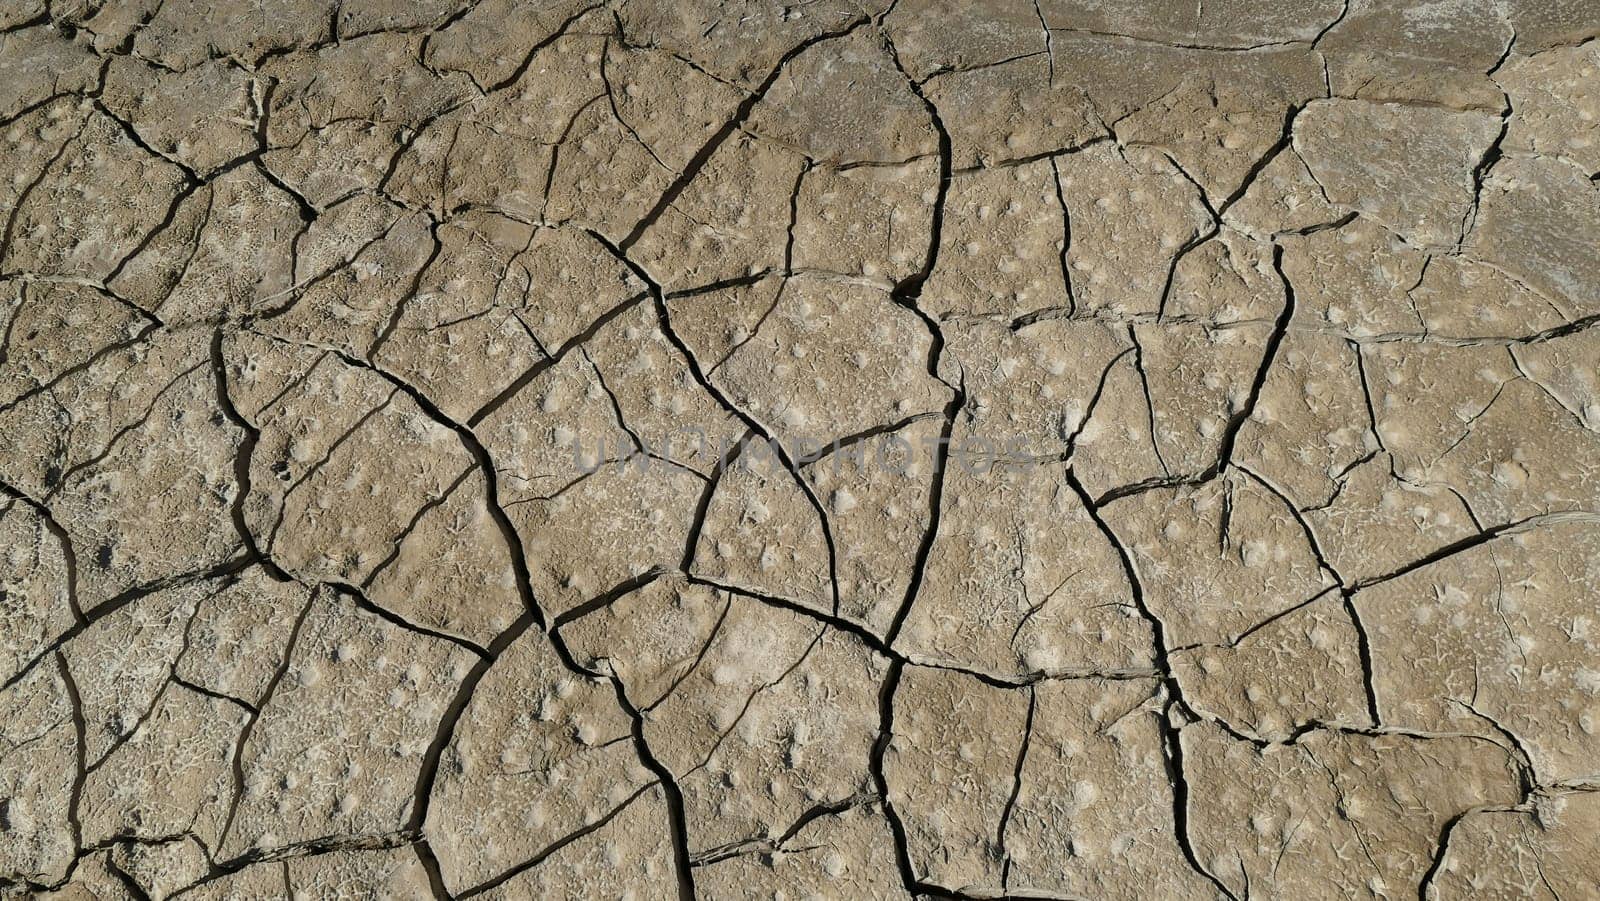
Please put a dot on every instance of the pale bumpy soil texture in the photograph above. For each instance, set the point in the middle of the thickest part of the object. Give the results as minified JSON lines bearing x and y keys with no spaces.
{"x":1105,"y":449}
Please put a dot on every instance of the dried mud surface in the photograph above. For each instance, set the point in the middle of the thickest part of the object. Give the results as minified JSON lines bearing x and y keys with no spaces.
{"x":1149,"y":449}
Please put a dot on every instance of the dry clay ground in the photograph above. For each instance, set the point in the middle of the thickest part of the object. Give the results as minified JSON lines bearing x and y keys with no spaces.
{"x":1149,"y":449}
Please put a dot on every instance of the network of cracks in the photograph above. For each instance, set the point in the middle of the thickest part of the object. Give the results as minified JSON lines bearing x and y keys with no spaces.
{"x":681,"y":448}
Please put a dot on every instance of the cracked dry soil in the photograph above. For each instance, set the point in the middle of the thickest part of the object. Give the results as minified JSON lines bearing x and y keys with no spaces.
{"x":1151,"y":450}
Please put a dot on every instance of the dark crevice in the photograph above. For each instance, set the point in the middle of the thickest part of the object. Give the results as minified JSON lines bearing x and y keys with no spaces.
{"x":191,"y":177}
{"x":428,"y":770}
{"x":126,"y":730}
{"x":1176,"y":703}
{"x":1016,"y":788}
{"x":550,"y":849}
{"x":919,"y":563}
{"x":1295,"y":513}
{"x":80,"y":753}
{"x":485,"y":464}
{"x":1343,"y":12}
{"x":400,"y":540}
{"x":737,"y":281}
{"x":244,"y":734}
{"x":879,"y":646}
{"x":1035,"y":608}
{"x":330,"y":844}
{"x":194,"y":242}
{"x":1236,"y":422}
{"x":1314,"y":228}
{"x":1188,"y":247}
{"x":1049,"y":44}
{"x":1486,"y":162}
{"x":555,"y":154}
{"x":1018,"y":161}
{"x":430,"y":865}
{"x":308,"y":212}
{"x":1472,"y":541}
{"x":45,"y":387}
{"x":1149,"y":401}
{"x":641,"y":447}
{"x":1262,"y":624}
{"x":677,"y":820}
{"x":880,"y":750}
{"x":128,"y":882}
{"x":359,"y":598}
{"x":198,"y":689}
{"x":1136,"y":40}
{"x":1285,"y":138}
{"x":750,"y":699}
{"x":527,"y":60}
{"x":242,"y":459}
{"x":1066,"y":237}
{"x":794,"y":219}
{"x":833,"y":621}
{"x":664,"y":322}
{"x":702,"y":506}
{"x":1094,"y":403}
{"x":1193,"y":243}
{"x":1363,"y":640}
{"x":608,"y":597}
{"x":297,"y":289}
{"x":1441,"y":850}
{"x":120,"y":433}
{"x":27,"y":192}
{"x":1173,"y":745}
{"x":778,"y":842}
{"x":416,"y":286}
{"x":907,"y":294}
{"x":69,"y":553}
{"x":171,"y":215}
{"x":725,"y":131}
{"x":542,"y":366}
{"x":122,"y":599}
{"x":736,"y":346}
{"x":845,"y":441}
{"x":1364,"y":654}
{"x":909,"y":290}
{"x":611,"y":99}
{"x":327,"y":456}
{"x":700,"y":656}
{"x":1527,"y":774}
